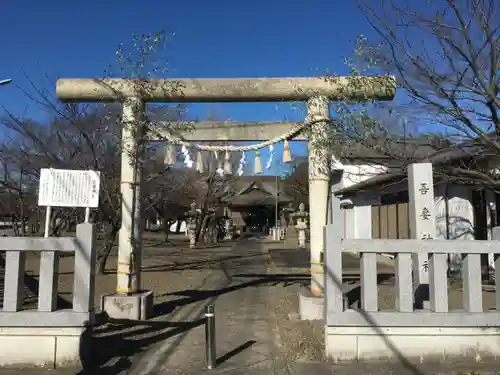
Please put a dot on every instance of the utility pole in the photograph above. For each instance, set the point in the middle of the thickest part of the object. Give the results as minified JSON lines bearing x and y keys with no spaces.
{"x":4,"y":82}
{"x":277,"y":202}
{"x":276,"y":234}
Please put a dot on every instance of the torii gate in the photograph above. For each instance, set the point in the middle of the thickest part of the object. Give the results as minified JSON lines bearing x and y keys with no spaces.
{"x":134,"y":93}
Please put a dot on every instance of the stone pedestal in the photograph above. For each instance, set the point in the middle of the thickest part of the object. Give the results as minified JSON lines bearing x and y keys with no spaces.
{"x":137,"y":306}
{"x":301,"y":227}
{"x":311,"y":307}
{"x":276,"y":233}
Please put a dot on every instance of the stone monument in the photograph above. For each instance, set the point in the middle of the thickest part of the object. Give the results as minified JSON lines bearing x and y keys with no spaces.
{"x":301,"y":225}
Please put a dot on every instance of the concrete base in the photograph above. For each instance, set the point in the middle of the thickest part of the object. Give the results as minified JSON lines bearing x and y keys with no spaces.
{"x":311,"y":307}
{"x":138,"y":306}
{"x":425,"y":344}
{"x":40,"y":346}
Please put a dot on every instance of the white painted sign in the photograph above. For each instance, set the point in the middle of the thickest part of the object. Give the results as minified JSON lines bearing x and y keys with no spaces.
{"x":68,"y":188}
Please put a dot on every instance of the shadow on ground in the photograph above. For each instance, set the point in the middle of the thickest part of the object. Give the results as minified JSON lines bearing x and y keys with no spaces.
{"x":213,"y":261}
{"x":108,"y":350}
{"x":193,"y":296}
{"x":111,"y":349}
{"x":194,"y":265}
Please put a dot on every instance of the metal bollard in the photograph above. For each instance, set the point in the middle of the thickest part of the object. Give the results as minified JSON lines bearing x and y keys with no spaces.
{"x":210,"y":336}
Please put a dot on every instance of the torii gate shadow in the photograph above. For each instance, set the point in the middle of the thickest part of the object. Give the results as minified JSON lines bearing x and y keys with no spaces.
{"x":192,"y":295}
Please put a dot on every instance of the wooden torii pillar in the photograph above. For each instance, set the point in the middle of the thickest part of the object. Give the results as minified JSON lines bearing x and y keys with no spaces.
{"x":135,"y":93}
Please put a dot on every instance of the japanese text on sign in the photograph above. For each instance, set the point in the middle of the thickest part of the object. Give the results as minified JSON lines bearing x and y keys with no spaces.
{"x":68,"y":188}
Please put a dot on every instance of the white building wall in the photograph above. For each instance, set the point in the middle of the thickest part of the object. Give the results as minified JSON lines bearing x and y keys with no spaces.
{"x":491,"y":207}
{"x":460,"y":223}
{"x":460,"y":211}
{"x":461,"y":217}
{"x":440,"y":210}
{"x":358,"y":212}
{"x":354,"y":174}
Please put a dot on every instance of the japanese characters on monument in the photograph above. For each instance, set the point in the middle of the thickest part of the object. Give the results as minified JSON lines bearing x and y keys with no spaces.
{"x":421,"y":201}
{"x":422,"y":213}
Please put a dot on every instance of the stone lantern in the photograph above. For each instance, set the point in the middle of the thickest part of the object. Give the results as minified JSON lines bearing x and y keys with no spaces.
{"x":191,"y":221}
{"x":229,"y":229}
{"x":301,"y":225}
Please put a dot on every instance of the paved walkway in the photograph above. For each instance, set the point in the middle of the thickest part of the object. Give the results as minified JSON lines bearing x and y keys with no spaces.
{"x":245,"y":324}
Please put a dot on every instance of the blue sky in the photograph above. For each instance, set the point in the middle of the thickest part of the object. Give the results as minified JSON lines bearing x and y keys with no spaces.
{"x":218,"y":38}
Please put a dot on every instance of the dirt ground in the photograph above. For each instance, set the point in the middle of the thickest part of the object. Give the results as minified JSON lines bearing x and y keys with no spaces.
{"x":304,"y":340}
{"x":166,"y":268}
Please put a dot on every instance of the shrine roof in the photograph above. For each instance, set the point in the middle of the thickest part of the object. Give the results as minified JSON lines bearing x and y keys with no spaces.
{"x":445,"y":157}
{"x":255,"y":190}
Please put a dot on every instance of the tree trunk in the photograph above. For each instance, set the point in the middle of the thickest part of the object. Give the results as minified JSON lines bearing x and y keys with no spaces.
{"x":207,"y":236}
{"x":106,"y":250}
{"x":55,"y":225}
{"x":14,"y":227}
{"x":166,"y":228}
{"x":202,"y":228}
